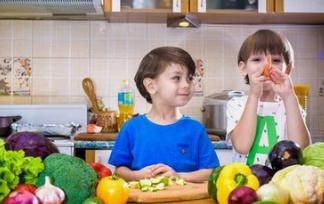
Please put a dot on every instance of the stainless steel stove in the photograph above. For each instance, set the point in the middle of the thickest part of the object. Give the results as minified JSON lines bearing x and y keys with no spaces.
{"x":55,"y":115}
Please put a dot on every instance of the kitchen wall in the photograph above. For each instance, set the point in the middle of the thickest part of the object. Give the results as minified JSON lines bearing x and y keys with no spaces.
{"x":61,"y":53}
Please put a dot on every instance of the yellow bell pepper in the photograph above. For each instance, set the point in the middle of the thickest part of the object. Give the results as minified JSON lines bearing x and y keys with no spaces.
{"x":231,"y":176}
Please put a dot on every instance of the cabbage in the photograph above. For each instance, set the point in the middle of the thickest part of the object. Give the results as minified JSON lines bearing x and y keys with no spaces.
{"x":314,"y":155}
{"x":33,"y":144}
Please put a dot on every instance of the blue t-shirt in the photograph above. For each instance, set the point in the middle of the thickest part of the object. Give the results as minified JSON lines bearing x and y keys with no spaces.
{"x":183,"y":145}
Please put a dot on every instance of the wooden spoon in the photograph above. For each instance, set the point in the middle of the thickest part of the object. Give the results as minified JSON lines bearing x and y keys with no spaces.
{"x":89,"y":89}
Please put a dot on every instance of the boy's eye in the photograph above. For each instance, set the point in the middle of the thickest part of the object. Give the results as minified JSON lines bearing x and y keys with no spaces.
{"x":256,"y":59}
{"x":276,"y":60}
{"x":190,"y":78}
{"x":177,"y":78}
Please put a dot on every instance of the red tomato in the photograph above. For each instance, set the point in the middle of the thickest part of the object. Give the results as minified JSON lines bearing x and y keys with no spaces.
{"x":101,"y":169}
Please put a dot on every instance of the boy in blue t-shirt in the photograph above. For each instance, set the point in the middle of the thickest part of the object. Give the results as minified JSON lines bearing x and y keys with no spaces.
{"x":163,"y":141}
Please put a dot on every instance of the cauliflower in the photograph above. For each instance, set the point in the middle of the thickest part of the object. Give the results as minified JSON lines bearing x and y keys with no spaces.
{"x":304,"y":183}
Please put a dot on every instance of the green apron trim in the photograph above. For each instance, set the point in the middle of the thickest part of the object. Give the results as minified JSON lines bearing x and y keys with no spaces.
{"x":256,"y":148}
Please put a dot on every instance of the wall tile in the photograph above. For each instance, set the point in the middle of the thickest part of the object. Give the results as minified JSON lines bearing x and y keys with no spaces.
{"x":41,"y":68}
{"x":61,"y":48}
{"x":22,"y":48}
{"x":80,"y":48}
{"x":42,"y":48}
{"x":42,"y":30}
{"x":80,"y":30}
{"x":6,"y":47}
{"x":6,"y":31}
{"x":22,"y":30}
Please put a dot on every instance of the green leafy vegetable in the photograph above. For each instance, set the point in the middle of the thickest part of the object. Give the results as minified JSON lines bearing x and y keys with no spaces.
{"x":314,"y":155}
{"x":16,"y":168}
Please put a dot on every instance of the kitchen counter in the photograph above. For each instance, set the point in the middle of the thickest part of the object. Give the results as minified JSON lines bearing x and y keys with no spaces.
{"x":108,"y":145}
{"x":106,"y":141}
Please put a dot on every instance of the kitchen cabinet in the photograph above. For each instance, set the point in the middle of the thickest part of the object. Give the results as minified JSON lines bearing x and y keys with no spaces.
{"x":148,"y":11}
{"x":212,"y":14}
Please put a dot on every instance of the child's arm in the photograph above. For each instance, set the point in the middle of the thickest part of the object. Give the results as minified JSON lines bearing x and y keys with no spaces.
{"x":243,"y":134}
{"x":196,"y":176}
{"x":297,"y":129}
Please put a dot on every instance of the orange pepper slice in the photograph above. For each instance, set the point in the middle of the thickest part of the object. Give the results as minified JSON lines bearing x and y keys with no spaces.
{"x":267,"y":67}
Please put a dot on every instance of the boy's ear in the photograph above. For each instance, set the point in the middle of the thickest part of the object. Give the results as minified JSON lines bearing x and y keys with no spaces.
{"x":289,"y":69}
{"x":242,"y":68}
{"x":149,"y":85}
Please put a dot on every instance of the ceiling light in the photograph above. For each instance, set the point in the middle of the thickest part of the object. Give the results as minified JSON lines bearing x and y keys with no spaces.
{"x":183,"y":21}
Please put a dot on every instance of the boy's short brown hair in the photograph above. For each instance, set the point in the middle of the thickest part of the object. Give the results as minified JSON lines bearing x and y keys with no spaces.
{"x":156,"y":61}
{"x":263,"y":41}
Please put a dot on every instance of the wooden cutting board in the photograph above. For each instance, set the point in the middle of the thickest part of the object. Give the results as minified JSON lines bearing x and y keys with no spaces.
{"x":173,"y":193}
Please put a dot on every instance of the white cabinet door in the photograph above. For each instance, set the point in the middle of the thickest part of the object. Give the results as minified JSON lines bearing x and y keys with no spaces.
{"x":224,"y":155}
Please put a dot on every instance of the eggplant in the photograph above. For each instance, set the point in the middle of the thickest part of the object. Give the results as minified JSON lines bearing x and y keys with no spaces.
{"x":285,"y":153}
{"x":262,"y":172}
{"x":242,"y":195}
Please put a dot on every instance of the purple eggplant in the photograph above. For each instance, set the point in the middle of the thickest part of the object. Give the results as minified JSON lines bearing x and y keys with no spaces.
{"x":263,"y":173}
{"x":285,"y":153}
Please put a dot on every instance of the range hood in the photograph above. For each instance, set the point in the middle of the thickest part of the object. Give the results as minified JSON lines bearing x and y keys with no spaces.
{"x":50,"y":8}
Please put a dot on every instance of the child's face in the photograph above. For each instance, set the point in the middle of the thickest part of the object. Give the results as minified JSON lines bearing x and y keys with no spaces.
{"x":173,"y":87}
{"x":256,"y":62}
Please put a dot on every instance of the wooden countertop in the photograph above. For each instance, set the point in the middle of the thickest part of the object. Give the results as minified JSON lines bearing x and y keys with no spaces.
{"x":113,"y":136}
{"x":96,"y":136}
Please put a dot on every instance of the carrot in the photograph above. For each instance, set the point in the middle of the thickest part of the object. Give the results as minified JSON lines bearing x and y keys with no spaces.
{"x":267,"y":67}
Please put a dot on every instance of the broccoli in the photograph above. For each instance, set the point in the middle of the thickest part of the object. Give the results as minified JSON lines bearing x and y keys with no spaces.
{"x":73,"y":175}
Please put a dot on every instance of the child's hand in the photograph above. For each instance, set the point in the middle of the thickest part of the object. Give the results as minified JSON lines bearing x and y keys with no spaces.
{"x":256,"y":80}
{"x":163,"y":169}
{"x":146,"y":172}
{"x":281,"y":83}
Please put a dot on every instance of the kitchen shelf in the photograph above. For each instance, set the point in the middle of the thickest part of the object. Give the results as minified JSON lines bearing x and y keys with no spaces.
{"x":218,"y":16}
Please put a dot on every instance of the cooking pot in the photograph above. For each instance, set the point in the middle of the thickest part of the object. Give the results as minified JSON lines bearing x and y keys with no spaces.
{"x":5,"y":124}
{"x":214,"y":111}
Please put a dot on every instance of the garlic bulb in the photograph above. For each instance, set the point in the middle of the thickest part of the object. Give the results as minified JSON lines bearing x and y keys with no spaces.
{"x":49,"y":194}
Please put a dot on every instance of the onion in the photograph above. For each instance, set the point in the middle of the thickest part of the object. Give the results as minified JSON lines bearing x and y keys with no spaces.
{"x":21,"y":197}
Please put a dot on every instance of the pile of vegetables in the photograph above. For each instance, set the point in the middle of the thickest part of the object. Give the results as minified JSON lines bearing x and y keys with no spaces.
{"x":71,"y":174}
{"x":304,"y":183}
{"x":293,"y":176}
{"x":16,"y":168}
{"x":225,"y":179}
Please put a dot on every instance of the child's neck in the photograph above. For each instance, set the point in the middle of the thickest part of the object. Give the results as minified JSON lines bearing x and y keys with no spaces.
{"x":164,"y":116}
{"x":269,"y":97}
